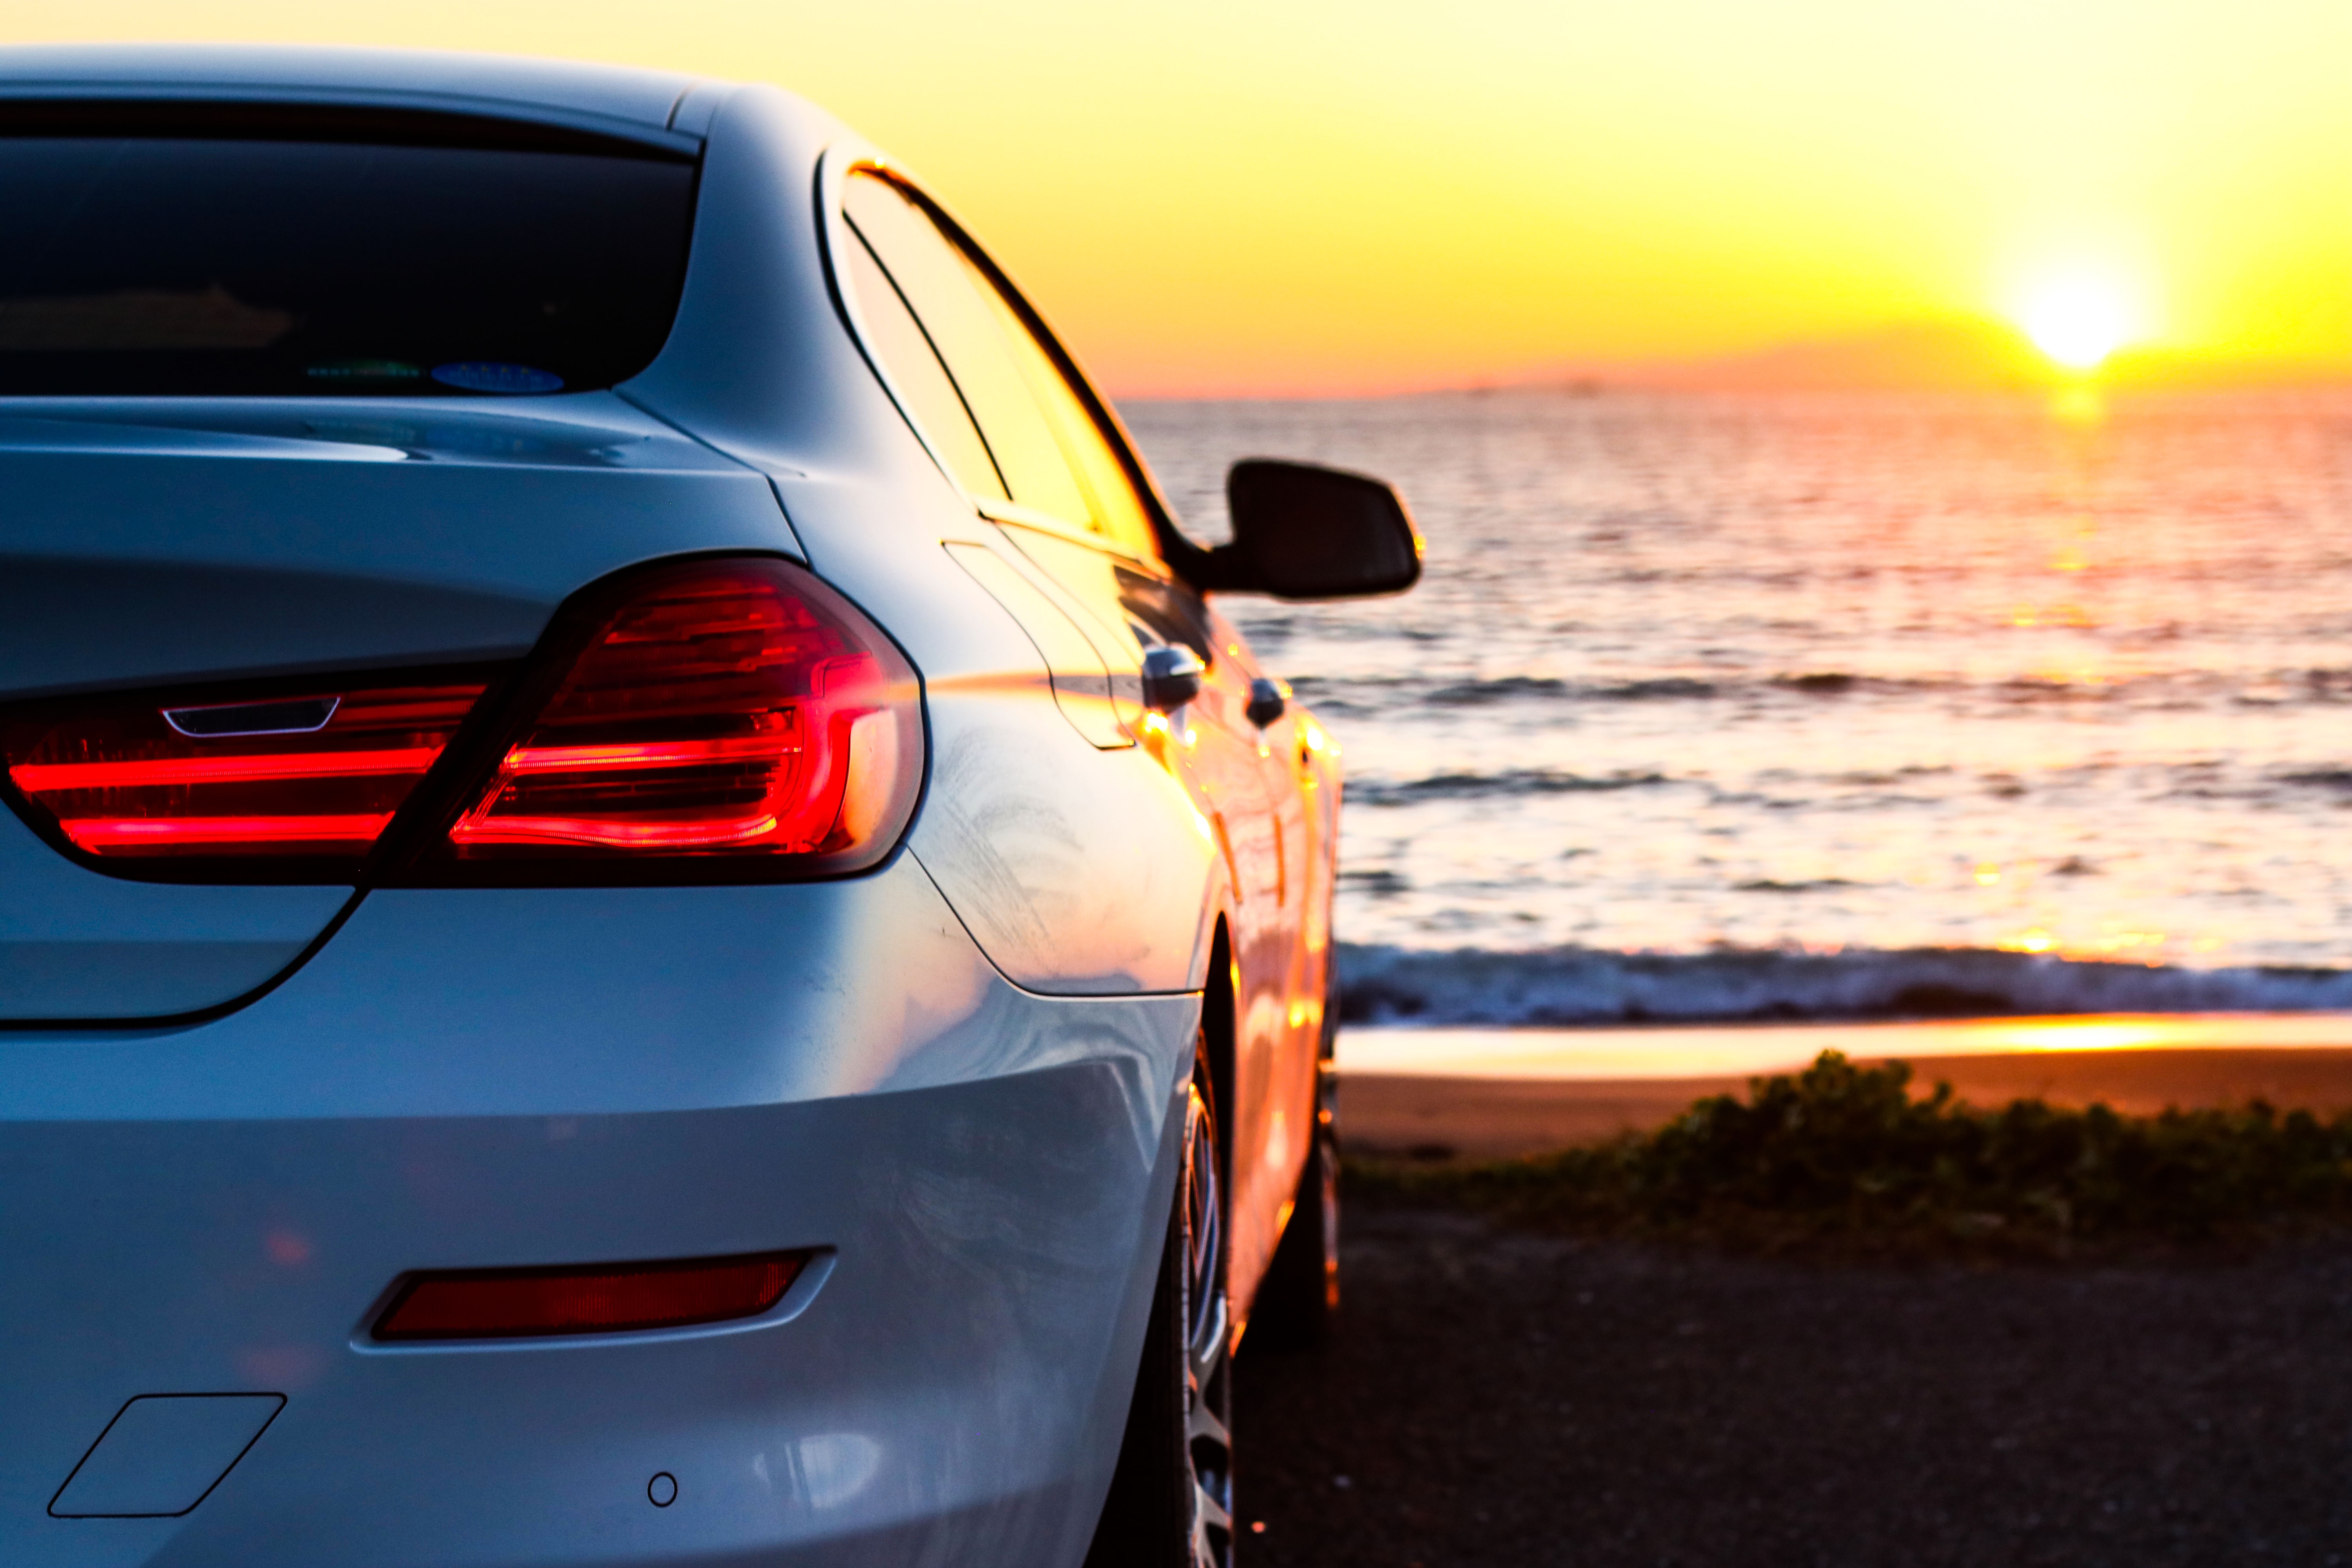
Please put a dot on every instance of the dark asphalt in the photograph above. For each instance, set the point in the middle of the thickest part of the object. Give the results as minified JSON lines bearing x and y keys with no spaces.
{"x":1495,"y":1398}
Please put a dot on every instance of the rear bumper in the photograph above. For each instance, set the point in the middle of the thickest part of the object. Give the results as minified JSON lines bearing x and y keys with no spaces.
{"x":989,"y":1171}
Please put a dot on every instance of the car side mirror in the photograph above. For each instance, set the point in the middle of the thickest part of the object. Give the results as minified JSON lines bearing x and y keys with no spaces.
{"x":1172,"y":678}
{"x":1302,"y":531}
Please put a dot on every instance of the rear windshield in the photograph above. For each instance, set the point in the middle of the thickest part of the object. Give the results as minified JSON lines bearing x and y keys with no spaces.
{"x":263,"y":252}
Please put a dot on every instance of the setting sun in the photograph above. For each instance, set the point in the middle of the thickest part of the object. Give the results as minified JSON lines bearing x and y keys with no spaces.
{"x":2078,"y":318}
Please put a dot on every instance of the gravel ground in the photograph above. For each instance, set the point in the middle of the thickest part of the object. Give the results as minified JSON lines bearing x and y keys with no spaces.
{"x":1498,"y":1398}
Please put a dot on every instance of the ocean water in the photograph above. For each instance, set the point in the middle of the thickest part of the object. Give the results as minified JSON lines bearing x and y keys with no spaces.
{"x":1817,"y":706}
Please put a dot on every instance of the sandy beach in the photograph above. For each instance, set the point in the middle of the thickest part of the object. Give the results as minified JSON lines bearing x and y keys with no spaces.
{"x":1472,"y":1094}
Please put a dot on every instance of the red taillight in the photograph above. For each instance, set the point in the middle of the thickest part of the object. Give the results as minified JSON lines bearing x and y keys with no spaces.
{"x":511,"y":1303}
{"x":316,"y":775}
{"x":735,"y":708}
{"x":722,"y":719}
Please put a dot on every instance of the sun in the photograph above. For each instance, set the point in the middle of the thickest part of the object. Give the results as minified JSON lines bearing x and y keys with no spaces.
{"x":2078,"y":318}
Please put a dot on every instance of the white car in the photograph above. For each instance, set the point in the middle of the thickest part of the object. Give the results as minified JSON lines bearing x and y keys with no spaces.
{"x":646,"y":914}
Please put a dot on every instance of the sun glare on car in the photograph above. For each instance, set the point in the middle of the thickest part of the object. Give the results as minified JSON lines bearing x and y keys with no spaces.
{"x":2078,"y":318}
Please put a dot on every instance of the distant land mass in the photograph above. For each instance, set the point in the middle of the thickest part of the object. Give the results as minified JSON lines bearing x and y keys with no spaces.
{"x":1955,"y":353}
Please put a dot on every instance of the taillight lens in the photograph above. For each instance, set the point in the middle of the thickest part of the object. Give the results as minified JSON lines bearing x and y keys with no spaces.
{"x":313,"y":776}
{"x":728,"y":719}
{"x":732,"y":709}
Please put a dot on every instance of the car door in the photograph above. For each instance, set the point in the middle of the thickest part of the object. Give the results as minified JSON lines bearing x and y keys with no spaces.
{"x":1061,"y":485}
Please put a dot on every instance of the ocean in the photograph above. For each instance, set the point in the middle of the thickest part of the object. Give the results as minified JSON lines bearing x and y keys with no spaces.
{"x":1821,"y":706}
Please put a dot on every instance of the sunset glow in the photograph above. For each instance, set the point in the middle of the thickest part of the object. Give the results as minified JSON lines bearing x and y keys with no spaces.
{"x":1221,"y":196}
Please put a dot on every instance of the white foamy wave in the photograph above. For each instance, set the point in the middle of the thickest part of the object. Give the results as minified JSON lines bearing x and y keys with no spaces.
{"x":1382,"y":985}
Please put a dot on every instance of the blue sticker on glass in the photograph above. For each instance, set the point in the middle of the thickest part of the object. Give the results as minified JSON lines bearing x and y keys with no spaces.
{"x":489,"y":375}
{"x":363,"y":370}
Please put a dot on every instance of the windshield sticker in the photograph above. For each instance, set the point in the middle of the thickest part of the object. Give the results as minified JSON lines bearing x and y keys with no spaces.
{"x":489,"y":375}
{"x":363,"y":370}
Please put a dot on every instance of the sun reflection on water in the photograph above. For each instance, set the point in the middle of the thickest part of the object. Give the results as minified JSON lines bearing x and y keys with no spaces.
{"x":2079,"y":405}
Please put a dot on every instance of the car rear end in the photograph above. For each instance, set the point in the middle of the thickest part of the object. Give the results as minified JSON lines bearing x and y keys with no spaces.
{"x":482,"y":1081}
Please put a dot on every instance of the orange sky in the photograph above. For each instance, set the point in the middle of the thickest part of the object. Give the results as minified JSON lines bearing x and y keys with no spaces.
{"x":1219,"y":197}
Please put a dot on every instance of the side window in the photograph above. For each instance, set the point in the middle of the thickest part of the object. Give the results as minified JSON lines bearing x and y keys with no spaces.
{"x":907,"y":354}
{"x":1116,"y":509}
{"x":934,"y":278}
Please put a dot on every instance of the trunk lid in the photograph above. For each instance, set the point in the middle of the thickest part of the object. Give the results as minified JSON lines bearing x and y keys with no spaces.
{"x":159,"y":543}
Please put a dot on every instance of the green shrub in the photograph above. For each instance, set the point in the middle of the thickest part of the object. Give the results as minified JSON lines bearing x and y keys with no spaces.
{"x":1844,"y":1152}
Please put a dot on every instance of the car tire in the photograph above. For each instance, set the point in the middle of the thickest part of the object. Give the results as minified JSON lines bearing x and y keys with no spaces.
{"x":1170,"y":1502}
{"x":1298,"y":1297}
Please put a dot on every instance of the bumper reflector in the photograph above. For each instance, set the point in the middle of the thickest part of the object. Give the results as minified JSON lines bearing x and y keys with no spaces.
{"x":600,"y":1298}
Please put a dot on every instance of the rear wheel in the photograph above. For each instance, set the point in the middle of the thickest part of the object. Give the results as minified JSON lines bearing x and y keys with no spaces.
{"x":1171,"y":1503}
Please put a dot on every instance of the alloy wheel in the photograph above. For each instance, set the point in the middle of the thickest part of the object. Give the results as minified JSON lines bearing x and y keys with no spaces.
{"x":1208,"y":1342}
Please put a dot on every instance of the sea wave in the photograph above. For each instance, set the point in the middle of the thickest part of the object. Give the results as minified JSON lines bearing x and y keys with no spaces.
{"x":1375,"y":791}
{"x":2161,"y":689}
{"x":1508,"y":688}
{"x":1384,"y":984}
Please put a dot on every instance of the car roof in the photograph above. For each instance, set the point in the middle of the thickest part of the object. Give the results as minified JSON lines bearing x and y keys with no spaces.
{"x":617,"y":98}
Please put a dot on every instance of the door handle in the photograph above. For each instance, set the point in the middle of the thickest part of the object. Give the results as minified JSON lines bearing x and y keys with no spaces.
{"x":1266,"y":702}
